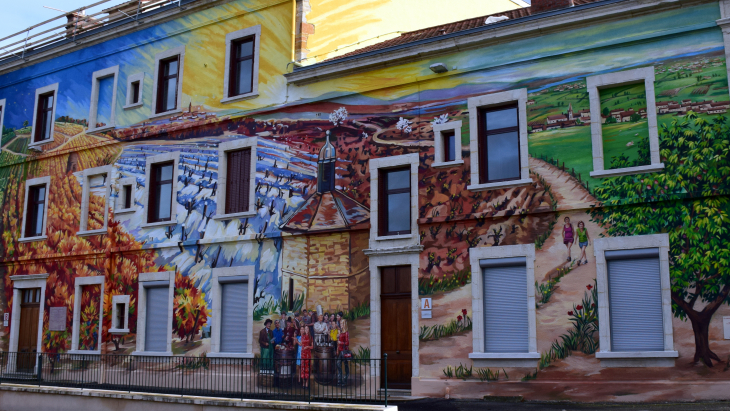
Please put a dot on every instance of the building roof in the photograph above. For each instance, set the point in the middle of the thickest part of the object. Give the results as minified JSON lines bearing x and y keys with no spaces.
{"x":557,"y":117}
{"x":435,"y":31}
{"x":328,"y":211}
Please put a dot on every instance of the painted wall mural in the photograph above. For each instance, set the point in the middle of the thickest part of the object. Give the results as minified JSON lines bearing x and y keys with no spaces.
{"x":307,"y":238}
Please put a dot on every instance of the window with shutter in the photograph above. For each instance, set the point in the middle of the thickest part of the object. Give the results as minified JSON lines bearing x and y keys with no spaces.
{"x":506,"y":327}
{"x":635,"y":300}
{"x":234,"y":315}
{"x":156,"y":318}
{"x":238,"y":180}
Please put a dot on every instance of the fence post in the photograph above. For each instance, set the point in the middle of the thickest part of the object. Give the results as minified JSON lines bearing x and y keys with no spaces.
{"x":39,"y":367}
{"x":385,"y":378}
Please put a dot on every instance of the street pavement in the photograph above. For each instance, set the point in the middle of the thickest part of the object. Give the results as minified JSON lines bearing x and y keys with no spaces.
{"x":476,"y":405}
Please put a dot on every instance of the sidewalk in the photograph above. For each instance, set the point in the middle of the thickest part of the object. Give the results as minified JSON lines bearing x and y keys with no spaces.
{"x":516,"y":404}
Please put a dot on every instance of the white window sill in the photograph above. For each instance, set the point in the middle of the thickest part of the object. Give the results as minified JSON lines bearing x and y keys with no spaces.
{"x":118,"y":331}
{"x":84,"y":352}
{"x":158,"y":224}
{"x":636,"y":354}
{"x":517,"y":360}
{"x":500,"y":184}
{"x":652,"y":168}
{"x":131,"y":106}
{"x":125,"y":211}
{"x":442,"y":164}
{"x":234,"y":215}
{"x":91,"y":232}
{"x":394,"y":237}
{"x":152,"y":353}
{"x":240,"y":97}
{"x":36,"y":144}
{"x":166,"y":113}
{"x":100,"y":129}
{"x":31,"y":239}
{"x":229,"y":355}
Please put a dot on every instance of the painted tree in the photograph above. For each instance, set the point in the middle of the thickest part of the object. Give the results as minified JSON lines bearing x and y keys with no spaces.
{"x":89,"y":317}
{"x":338,"y":116}
{"x":403,"y":125}
{"x":190,"y":308}
{"x":696,"y":155}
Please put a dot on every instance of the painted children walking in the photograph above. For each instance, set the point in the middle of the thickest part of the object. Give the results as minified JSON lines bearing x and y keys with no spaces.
{"x":568,"y":235}
{"x":583,"y":241}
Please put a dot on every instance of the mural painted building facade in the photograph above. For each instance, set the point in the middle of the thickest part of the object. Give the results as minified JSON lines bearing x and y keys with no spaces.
{"x":555,"y":190}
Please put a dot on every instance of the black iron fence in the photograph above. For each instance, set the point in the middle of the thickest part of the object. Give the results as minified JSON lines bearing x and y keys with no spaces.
{"x":287,"y":379}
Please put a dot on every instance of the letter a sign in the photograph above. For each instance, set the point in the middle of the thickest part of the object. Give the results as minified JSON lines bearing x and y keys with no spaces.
{"x":426,"y":304}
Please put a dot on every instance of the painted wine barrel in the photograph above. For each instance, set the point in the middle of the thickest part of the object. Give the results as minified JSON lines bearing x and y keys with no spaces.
{"x":324,"y":366}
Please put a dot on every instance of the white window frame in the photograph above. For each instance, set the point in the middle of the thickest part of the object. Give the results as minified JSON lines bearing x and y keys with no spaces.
{"x":79,"y":282}
{"x":223,"y":149}
{"x":377,"y":260}
{"x":518,"y":96}
{"x":142,"y":311}
{"x":120,"y":184}
{"x":594,"y":84}
{"x":89,"y":172}
{"x":479,"y":357}
{"x":43,"y":90}
{"x":96,"y":77}
{"x":30,"y":183}
{"x":401,"y":240}
{"x":161,"y":158}
{"x":230,"y":38}
{"x":120,"y":299}
{"x":2,"y":115}
{"x":131,"y":79}
{"x":635,"y":358}
{"x":22,"y":282}
{"x":159,"y":57}
{"x":438,"y":144}
{"x":217,"y":293}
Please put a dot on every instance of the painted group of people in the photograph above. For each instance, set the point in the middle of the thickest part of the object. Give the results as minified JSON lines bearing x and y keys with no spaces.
{"x":569,"y":234}
{"x":303,"y":332}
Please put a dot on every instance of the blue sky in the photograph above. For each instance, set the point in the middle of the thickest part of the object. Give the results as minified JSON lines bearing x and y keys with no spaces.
{"x":19,"y":15}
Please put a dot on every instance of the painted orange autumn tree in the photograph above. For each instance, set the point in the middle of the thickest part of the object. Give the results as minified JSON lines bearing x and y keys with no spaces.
{"x":190,"y":308}
{"x":89,"y":317}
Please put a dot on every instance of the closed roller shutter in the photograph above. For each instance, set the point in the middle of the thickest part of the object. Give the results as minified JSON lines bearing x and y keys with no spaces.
{"x":635,"y":300}
{"x":234,"y":317}
{"x":156,"y":330}
{"x":505,"y":305}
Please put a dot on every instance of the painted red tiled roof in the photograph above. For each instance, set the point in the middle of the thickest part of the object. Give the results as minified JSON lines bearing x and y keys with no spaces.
{"x":435,"y":31}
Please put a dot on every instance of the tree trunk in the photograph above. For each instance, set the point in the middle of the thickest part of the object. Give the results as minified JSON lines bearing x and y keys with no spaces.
{"x":116,"y":344}
{"x":701,"y":328}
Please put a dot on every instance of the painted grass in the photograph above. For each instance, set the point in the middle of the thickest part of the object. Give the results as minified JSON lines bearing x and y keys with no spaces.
{"x":20,"y":145}
{"x":617,"y":136}
{"x":571,"y":146}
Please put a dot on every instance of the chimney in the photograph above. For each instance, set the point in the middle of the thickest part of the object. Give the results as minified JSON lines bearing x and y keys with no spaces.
{"x":540,"y":6}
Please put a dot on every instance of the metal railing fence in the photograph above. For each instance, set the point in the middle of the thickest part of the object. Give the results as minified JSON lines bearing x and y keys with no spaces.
{"x":355,"y":380}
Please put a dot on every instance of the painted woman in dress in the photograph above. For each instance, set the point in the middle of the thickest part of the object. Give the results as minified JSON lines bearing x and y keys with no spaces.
{"x":568,"y":235}
{"x":298,"y":342}
{"x":583,"y":242}
{"x":306,"y":356}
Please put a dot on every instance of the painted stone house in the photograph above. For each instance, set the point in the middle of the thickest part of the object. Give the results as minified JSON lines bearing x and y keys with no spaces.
{"x":155,"y":172}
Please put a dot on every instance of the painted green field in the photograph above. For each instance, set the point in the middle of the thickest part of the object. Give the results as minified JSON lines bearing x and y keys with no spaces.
{"x":571,"y":146}
{"x":616,"y":139}
{"x":19,"y":145}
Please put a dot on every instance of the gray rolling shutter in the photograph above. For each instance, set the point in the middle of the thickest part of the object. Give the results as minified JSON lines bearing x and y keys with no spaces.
{"x":505,"y":305}
{"x":234,"y":317}
{"x":635,"y":300}
{"x":156,"y":330}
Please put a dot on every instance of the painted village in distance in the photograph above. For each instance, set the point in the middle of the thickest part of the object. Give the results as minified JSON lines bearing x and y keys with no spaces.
{"x":308,"y":239}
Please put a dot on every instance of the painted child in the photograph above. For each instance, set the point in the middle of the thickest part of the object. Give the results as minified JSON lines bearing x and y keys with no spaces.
{"x":568,"y":235}
{"x":334,"y":331}
{"x":583,"y":242}
{"x":299,"y":351}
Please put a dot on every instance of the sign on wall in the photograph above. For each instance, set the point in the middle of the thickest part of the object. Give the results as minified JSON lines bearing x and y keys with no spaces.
{"x":6,"y":318}
{"x":726,"y":327}
{"x":57,"y":319}
{"x":426,"y":305}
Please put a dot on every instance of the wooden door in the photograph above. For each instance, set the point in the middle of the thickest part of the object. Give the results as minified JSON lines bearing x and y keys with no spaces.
{"x":28,"y":332}
{"x":395,"y":331}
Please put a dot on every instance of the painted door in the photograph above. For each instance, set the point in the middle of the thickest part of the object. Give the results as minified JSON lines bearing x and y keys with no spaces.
{"x":28,"y":332}
{"x":395,"y":302}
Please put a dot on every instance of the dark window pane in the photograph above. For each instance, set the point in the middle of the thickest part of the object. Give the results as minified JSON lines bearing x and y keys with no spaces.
{"x":502,"y":118}
{"x":245,"y":76}
{"x":399,"y":212}
{"x":449,"y":145}
{"x":399,"y":179}
{"x":127,"y":196}
{"x":503,"y":156}
{"x":245,"y":48}
{"x":135,"y":92}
